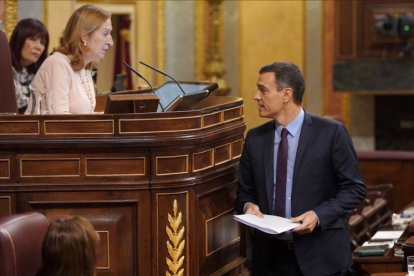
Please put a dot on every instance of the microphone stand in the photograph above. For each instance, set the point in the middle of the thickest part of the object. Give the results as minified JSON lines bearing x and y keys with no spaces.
{"x":164,"y":74}
{"x":142,"y":77}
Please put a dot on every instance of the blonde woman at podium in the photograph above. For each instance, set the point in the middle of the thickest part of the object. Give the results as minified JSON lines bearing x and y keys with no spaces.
{"x":63,"y":84}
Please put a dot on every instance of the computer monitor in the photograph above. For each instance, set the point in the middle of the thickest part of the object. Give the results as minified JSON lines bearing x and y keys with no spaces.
{"x":172,"y":98}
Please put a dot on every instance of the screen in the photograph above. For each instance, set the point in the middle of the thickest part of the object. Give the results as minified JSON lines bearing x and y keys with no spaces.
{"x":169,"y":91}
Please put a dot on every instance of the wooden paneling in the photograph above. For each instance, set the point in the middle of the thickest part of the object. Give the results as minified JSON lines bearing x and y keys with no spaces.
{"x":120,"y":222}
{"x":171,"y":165}
{"x":4,"y":168}
{"x":219,"y":239}
{"x":50,"y":167}
{"x":203,"y":160}
{"x":237,"y":148}
{"x":115,"y":166}
{"x":396,"y":168}
{"x":10,"y":128}
{"x":5,"y":206}
{"x":212,"y":119}
{"x":221,"y":231}
{"x":356,"y":36}
{"x":136,"y":126}
{"x":84,"y":127}
{"x":345,"y":20}
{"x":126,"y":184}
{"x":232,"y":114}
{"x":222,"y":154}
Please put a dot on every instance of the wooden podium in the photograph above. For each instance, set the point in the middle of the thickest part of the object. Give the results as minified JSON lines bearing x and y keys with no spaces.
{"x":159,"y":188}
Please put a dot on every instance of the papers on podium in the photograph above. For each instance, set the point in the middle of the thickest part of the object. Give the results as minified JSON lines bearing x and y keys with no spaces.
{"x":268,"y":224}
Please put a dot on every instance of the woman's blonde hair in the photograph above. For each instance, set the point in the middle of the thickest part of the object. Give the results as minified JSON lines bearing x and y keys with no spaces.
{"x":69,"y":248}
{"x":87,"y":18}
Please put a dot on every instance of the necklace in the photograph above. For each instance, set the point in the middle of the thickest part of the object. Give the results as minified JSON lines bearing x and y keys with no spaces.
{"x":87,"y":87}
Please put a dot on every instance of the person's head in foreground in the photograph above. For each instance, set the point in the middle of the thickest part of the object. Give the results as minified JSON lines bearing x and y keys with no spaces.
{"x":69,"y":248}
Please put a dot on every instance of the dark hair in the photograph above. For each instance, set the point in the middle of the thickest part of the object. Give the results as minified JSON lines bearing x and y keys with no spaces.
{"x":287,"y":75}
{"x":25,"y":29}
{"x":69,"y":248}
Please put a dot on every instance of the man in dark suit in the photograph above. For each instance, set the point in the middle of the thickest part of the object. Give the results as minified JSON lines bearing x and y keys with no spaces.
{"x":302,"y":167}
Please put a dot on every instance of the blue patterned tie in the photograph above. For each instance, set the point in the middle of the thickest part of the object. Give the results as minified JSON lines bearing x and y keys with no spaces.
{"x":281,"y":176}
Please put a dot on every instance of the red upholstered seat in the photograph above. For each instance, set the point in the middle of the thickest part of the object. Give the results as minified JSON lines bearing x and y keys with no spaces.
{"x":21,"y":239}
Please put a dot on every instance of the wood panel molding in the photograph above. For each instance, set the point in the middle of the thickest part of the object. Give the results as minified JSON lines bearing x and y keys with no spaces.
{"x":140,"y":126}
{"x":11,"y":128}
{"x":217,"y":224}
{"x":5,"y":206}
{"x":49,"y":167}
{"x":222,"y":154}
{"x":119,"y":166}
{"x":237,"y":148}
{"x":103,"y":261}
{"x":5,"y":169}
{"x":203,"y":160}
{"x":84,"y":127}
{"x":171,"y":165}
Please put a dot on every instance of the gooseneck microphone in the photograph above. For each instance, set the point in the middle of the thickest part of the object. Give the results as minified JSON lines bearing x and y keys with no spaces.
{"x":164,"y":74}
{"x":142,"y":77}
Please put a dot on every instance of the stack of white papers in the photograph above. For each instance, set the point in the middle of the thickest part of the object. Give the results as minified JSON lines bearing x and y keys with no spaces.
{"x":387,"y":235}
{"x":268,"y":224}
{"x":390,"y":244}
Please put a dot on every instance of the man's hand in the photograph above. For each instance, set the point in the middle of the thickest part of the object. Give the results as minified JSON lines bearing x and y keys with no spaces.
{"x":253,"y":209}
{"x":309,"y":221}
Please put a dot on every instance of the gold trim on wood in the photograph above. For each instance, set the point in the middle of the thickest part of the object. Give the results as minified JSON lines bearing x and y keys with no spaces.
{"x":211,"y":158}
{"x":48,"y":159}
{"x":74,"y":121}
{"x":11,"y":17}
{"x":169,"y":157}
{"x":176,"y":243}
{"x":112,"y":158}
{"x":227,"y":244}
{"x":211,"y":114}
{"x":9,"y":198}
{"x":107,"y":240}
{"x":159,"y":119}
{"x":229,"y":157}
{"x":231,"y":109}
{"x":157,"y":224}
{"x":8,"y":166}
{"x":14,"y":133}
{"x":232,"y":151}
{"x":160,"y":39}
{"x":199,"y":34}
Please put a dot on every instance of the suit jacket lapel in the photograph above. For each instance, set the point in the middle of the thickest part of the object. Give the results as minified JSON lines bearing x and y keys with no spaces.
{"x":303,"y":141}
{"x":268,"y":152}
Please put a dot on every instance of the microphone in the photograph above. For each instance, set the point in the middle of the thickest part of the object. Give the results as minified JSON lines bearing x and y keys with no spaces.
{"x":142,"y":77}
{"x":163,"y":73}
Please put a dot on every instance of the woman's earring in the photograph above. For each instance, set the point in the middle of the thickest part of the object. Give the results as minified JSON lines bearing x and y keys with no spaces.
{"x":84,"y":43}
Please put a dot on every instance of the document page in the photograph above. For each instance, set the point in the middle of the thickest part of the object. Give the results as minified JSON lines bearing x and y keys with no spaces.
{"x":268,"y":224}
{"x":387,"y":235}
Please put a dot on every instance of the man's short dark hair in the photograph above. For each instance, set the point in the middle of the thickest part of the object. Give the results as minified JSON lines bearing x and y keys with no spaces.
{"x":287,"y":75}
